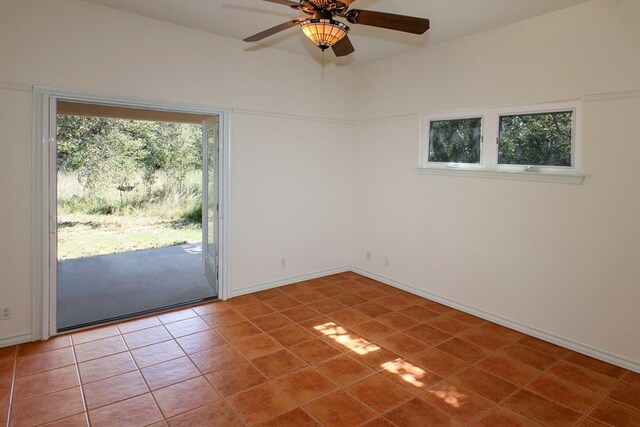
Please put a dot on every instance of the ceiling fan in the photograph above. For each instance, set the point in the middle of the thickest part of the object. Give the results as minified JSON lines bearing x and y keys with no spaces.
{"x":326,"y":32}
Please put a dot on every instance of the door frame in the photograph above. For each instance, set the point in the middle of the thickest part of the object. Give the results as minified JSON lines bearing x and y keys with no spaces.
{"x":45,"y":196}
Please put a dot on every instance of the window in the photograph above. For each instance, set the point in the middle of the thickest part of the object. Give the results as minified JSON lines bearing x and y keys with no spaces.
{"x":511,"y":143}
{"x":540,"y":139}
{"x":455,"y":141}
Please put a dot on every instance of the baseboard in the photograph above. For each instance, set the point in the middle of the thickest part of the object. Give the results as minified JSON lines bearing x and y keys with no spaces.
{"x":545,"y":336}
{"x":15,"y":339}
{"x":282,"y":282}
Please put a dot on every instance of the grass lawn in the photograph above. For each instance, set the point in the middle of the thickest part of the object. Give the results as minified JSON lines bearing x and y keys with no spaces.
{"x":83,"y":235}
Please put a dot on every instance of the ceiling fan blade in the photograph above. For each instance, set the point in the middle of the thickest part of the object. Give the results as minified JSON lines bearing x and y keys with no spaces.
{"x":343,"y":47}
{"x":390,"y":21}
{"x":284,"y":2}
{"x":273,"y":30}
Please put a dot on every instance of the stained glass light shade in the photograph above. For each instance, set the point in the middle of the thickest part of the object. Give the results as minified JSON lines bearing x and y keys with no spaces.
{"x":324,"y":32}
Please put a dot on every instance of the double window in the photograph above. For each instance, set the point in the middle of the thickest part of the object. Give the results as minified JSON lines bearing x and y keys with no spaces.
{"x":541,"y":139}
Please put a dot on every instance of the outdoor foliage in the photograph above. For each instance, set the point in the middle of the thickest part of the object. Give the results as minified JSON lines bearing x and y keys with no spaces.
{"x":455,"y":141}
{"x":536,"y":139}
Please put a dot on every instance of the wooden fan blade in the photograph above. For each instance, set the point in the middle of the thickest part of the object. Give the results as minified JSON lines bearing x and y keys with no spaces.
{"x":343,"y":47}
{"x":390,"y":21}
{"x":284,"y":2}
{"x":273,"y":30}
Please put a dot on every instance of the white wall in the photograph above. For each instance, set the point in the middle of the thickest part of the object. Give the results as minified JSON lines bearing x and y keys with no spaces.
{"x":290,"y":193}
{"x":557,"y":258}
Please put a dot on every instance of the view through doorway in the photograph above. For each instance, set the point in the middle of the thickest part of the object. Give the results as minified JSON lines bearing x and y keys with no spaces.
{"x":136,"y":202}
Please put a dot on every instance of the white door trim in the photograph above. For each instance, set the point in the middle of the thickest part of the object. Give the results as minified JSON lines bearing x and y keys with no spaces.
{"x":44,"y":161}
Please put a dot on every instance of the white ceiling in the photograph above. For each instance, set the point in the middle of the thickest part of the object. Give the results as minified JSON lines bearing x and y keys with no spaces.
{"x":238,"y":19}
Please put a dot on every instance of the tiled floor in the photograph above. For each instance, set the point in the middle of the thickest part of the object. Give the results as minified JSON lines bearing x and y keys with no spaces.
{"x":342,"y":350}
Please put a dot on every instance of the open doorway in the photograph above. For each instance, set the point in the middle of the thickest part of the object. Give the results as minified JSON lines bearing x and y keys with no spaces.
{"x":134,"y":214}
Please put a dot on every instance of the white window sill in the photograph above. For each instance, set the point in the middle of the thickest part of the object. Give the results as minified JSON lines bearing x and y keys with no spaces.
{"x":574,"y":179}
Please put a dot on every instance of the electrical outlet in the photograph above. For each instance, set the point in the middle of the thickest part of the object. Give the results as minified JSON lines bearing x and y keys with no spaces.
{"x":5,"y":313}
{"x":368,"y":255}
{"x":283,"y":263}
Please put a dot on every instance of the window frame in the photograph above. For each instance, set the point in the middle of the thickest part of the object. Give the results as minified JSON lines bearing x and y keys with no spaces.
{"x":489,"y":166}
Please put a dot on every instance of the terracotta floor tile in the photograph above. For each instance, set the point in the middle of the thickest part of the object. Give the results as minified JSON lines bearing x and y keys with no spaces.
{"x":257,"y":346}
{"x":378,"y":422}
{"x":378,"y":393}
{"x":45,"y":382}
{"x":4,"y":415}
{"x":234,"y":378}
{"x":500,"y":417}
{"x":463,"y":350}
{"x":146,"y":337}
{"x":201,"y":341}
{"x":437,"y":307}
{"x":466,"y":318}
{"x":395,"y":301}
{"x":169,"y":373}
{"x":373,"y":330}
{"x":509,"y":369}
{"x":8,"y":352}
{"x":238,"y":331}
{"x":318,"y":325}
{"x":582,"y":376}
{"x":592,"y":422}
{"x":215,"y":359}
{"x":300,"y":313}
{"x":174,"y":316}
{"x":340,"y":277}
{"x":457,"y":401}
{"x":99,"y":348}
{"x":282,"y":303}
{"x":372,"y":309}
{"x":257,"y":309}
{"x":374,"y":356}
{"x":349,"y":317}
{"x":268,"y":294}
{"x":141,"y":410}
{"x":157,"y":353}
{"x":419,"y":313}
{"x":326,"y":305}
{"x":409,"y":376}
{"x":105,"y":367}
{"x":627,"y":394}
{"x":483,"y":383}
{"x":439,"y":362}
{"x":449,"y":325}
{"x":616,"y":414}
{"x":47,"y":408}
{"x":370,"y":293}
{"x":211,"y":307}
{"x":417,"y":412}
{"x":339,"y":409}
{"x":307,"y":296}
{"x":223,"y":318}
{"x":349,"y":299}
{"x":114,"y":389}
{"x":490,"y":338}
{"x":570,"y":395}
{"x":291,"y":335}
{"x":543,"y":346}
{"x":403,"y":344}
{"x":305,"y":385}
{"x":185,"y":396}
{"x":241,"y":300}
{"x":261,"y":404}
{"x":40,"y":362}
{"x":95,"y":334}
{"x":79,"y":420}
{"x":278,"y":364}
{"x":529,"y":356}
{"x":632,"y":378}
{"x":271,"y":322}
{"x":138,"y":324}
{"x":186,"y":327}
{"x":427,"y":334}
{"x":330,"y":290}
{"x":52,"y":343}
{"x":295,"y":418}
{"x":595,"y":365}
{"x":541,"y":410}
{"x":314,"y":352}
{"x":397,"y":321}
{"x":213,"y":414}
{"x":343,"y":370}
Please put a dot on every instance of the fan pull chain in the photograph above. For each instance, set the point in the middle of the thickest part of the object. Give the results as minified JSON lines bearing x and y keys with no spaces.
{"x":323,"y":65}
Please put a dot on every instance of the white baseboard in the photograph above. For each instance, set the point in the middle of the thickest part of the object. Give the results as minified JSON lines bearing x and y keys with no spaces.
{"x":287,"y":281}
{"x":545,"y":336}
{"x":15,"y":339}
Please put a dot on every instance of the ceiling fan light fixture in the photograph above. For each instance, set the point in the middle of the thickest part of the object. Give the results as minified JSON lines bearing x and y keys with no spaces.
{"x":324,"y":33}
